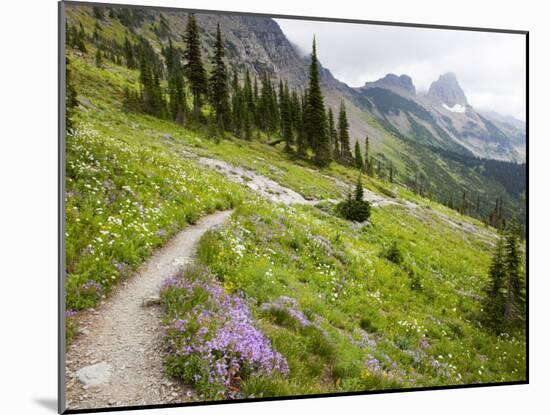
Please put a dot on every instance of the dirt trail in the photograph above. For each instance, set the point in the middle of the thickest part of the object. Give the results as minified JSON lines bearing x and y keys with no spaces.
{"x":120,"y":345}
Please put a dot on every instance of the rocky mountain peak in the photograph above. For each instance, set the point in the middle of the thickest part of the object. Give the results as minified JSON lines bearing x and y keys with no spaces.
{"x":402,"y":83}
{"x":447,"y":90}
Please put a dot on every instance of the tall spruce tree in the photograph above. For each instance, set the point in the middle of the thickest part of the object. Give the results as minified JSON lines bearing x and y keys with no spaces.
{"x":194,"y":69}
{"x":248,"y":106}
{"x":494,"y":303}
{"x":301,"y":142}
{"x":219,"y":84}
{"x":333,"y":135}
{"x":236,"y":106}
{"x":343,"y":136}
{"x":358,"y":156}
{"x":286,"y":116}
{"x":359,"y":192}
{"x":316,"y":122}
{"x":514,"y":296}
{"x":129,"y":54}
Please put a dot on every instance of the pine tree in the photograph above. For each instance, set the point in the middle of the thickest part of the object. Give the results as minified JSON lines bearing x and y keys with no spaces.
{"x":359,"y":192}
{"x":302,"y":144}
{"x":343,"y":136}
{"x":514,"y":296}
{"x":236,"y":106}
{"x":316,"y":122}
{"x":333,"y":135}
{"x":194,"y":69}
{"x":248,"y":106}
{"x":391,"y":173}
{"x":152,"y":98}
{"x":286,"y":117}
{"x":176,"y":87}
{"x":219,"y":84}
{"x":129,"y":54}
{"x":493,"y":305}
{"x":358,"y":156}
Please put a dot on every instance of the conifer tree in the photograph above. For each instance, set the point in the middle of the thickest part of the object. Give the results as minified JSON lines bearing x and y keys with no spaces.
{"x":343,"y":136}
{"x":176,"y":87}
{"x":333,"y":135}
{"x":494,"y":303}
{"x":302,"y":143}
{"x":359,"y":192}
{"x":129,"y":54}
{"x":248,"y":106}
{"x":514,"y":296}
{"x":286,"y":118}
{"x":236,"y":106}
{"x":316,"y":122}
{"x":194,"y":69}
{"x":219,"y":84}
{"x":391,"y":173}
{"x":358,"y":156}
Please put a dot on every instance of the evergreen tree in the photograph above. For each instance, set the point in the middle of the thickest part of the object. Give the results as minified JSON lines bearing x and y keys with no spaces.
{"x":286,"y":118}
{"x":504,"y":302}
{"x":248,"y":106}
{"x":494,"y":303}
{"x":316,"y":122}
{"x":302,"y":144}
{"x":236,"y":106}
{"x":391,"y":173}
{"x":194,"y":69}
{"x":333,"y":135}
{"x":343,"y":136}
{"x":358,"y":156}
{"x":514,"y":296}
{"x":219,"y":84}
{"x":359,"y":193}
{"x":176,"y":87}
{"x":152,"y":99}
{"x":129,"y":54}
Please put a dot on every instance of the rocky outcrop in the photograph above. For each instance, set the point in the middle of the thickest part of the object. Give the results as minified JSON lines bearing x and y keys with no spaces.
{"x":446,"y":90}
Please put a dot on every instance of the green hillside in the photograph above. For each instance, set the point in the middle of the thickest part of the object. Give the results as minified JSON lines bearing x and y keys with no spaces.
{"x":323,"y":304}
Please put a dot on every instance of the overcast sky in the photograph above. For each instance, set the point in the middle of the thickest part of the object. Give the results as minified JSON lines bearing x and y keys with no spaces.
{"x":490,"y":67}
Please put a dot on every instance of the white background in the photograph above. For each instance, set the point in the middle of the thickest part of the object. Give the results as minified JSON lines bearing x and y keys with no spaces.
{"x":28,"y":203}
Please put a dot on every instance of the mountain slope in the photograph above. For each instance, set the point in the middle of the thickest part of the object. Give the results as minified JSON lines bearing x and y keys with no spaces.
{"x":403,"y":127}
{"x":442,"y":118}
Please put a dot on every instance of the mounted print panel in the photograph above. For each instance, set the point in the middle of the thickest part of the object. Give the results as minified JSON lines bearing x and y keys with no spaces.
{"x":269,"y":207}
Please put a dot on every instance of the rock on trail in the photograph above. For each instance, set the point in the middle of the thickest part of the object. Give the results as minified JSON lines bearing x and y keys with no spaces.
{"x":119,"y":359}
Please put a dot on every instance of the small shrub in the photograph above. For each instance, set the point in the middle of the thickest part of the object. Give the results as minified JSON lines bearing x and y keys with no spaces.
{"x":393,"y":254}
{"x":354,"y":210}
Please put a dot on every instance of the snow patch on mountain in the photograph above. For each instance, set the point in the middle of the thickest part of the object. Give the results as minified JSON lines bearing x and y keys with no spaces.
{"x":455,"y":108}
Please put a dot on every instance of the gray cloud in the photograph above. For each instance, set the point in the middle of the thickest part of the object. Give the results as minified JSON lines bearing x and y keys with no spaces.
{"x":489,"y":66}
